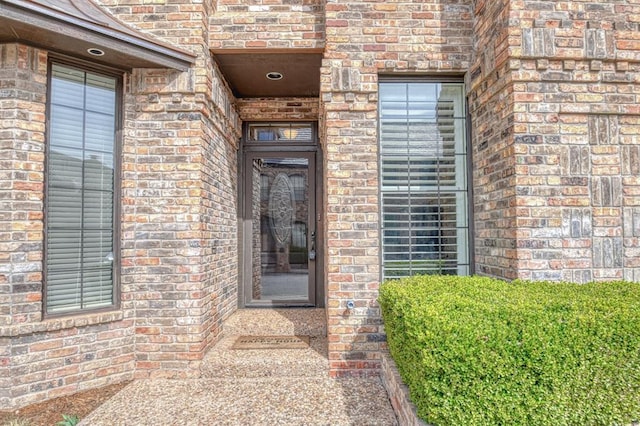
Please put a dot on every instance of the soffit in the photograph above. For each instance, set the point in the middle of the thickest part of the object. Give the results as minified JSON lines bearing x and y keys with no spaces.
{"x":73,"y":26}
{"x":246,"y":71}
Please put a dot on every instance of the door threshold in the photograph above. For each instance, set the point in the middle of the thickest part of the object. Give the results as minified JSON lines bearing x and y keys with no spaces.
{"x":278,"y":305}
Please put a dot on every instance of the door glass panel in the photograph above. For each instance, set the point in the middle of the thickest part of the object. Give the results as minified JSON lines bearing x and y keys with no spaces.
{"x":281,"y":243}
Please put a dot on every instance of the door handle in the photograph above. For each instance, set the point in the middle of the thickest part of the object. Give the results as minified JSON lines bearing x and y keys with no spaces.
{"x":312,"y":252}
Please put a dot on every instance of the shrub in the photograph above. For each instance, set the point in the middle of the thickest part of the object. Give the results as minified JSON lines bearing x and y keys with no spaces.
{"x":68,"y":420}
{"x":479,"y":351}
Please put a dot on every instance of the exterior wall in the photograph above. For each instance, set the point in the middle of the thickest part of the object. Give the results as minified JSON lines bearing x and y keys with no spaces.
{"x":553,"y":97}
{"x":365,"y":39}
{"x":220,"y":206}
{"x":258,"y":24}
{"x":554,"y":106}
{"x":180,"y":262}
{"x":22,"y":111}
{"x":491,"y":109}
{"x":570,"y":73}
{"x":39,"y":358}
{"x":398,"y":393}
{"x":281,"y":109}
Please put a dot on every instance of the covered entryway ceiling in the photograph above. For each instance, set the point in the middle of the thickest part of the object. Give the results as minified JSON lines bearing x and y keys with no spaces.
{"x":246,"y":72}
{"x":82,"y":29}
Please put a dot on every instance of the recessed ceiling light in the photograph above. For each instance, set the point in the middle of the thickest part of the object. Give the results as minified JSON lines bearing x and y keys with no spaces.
{"x":274,"y":75}
{"x":95,"y":51}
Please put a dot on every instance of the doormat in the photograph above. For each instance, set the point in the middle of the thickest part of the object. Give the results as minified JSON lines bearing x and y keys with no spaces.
{"x":271,"y":342}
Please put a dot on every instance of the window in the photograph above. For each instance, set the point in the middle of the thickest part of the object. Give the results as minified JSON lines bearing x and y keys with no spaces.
{"x":423,"y":177}
{"x":80,"y":190}
{"x":280,"y":132}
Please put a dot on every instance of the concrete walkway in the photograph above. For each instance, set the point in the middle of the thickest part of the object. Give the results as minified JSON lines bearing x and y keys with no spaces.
{"x":257,"y":401}
{"x":255,"y":387}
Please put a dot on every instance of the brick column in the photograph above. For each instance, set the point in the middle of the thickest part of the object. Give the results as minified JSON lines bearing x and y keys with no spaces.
{"x":179,"y":206}
{"x":349,"y":102}
{"x":363,"y":40}
{"x":351,"y":211}
{"x":179,"y":257}
{"x":491,"y":107}
{"x":22,"y":105}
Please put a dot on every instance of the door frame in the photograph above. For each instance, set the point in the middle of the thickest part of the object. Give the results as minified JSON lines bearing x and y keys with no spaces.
{"x":248,"y":152}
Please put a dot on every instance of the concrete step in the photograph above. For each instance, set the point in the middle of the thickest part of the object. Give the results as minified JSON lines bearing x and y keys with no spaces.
{"x":265,"y":322}
{"x":223,"y":361}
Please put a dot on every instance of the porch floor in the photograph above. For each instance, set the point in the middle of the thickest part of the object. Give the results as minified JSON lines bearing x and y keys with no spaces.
{"x":223,"y":361}
{"x":256,"y":387}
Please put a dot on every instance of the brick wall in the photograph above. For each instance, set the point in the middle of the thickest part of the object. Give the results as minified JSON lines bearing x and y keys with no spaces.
{"x":259,"y":24}
{"x":61,"y":357}
{"x":179,"y":231}
{"x":22,"y":117}
{"x":39,"y":358}
{"x":219,"y":206}
{"x":280,"y":109}
{"x":179,"y":199}
{"x":163,"y":237}
{"x":22,"y":100}
{"x":398,"y":392}
{"x":363,"y":39}
{"x":491,"y":109}
{"x":553,"y":96}
{"x":555,"y":123}
{"x":576,"y":139}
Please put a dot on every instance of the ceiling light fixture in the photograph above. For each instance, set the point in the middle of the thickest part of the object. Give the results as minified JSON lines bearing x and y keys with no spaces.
{"x":274,"y":75}
{"x":95,"y":51}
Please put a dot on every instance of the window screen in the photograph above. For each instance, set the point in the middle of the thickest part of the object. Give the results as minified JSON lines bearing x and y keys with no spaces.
{"x":79,"y":257}
{"x":423,"y":179}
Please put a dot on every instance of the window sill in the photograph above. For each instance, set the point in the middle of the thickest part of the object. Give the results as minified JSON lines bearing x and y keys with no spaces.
{"x":55,"y":324}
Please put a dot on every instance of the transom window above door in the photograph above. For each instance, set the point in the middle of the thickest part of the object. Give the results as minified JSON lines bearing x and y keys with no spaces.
{"x":280,"y":132}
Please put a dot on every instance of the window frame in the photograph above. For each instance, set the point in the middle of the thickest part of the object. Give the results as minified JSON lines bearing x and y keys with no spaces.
{"x":468,"y":169}
{"x":284,"y":144}
{"x":119,"y":76}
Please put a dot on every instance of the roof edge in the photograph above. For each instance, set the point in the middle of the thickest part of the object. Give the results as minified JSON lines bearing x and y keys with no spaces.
{"x":48,"y":18}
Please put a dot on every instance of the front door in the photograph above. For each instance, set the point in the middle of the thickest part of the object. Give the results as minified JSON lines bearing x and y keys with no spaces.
{"x":280,"y":227}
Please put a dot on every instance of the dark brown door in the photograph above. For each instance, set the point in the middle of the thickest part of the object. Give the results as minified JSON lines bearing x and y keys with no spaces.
{"x":279,"y":231}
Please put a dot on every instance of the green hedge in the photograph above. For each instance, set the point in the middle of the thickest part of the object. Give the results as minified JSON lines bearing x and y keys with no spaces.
{"x":479,"y":351}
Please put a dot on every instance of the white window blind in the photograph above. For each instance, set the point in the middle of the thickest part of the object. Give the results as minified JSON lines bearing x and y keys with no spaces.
{"x":80,"y":191}
{"x":423,"y":176}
